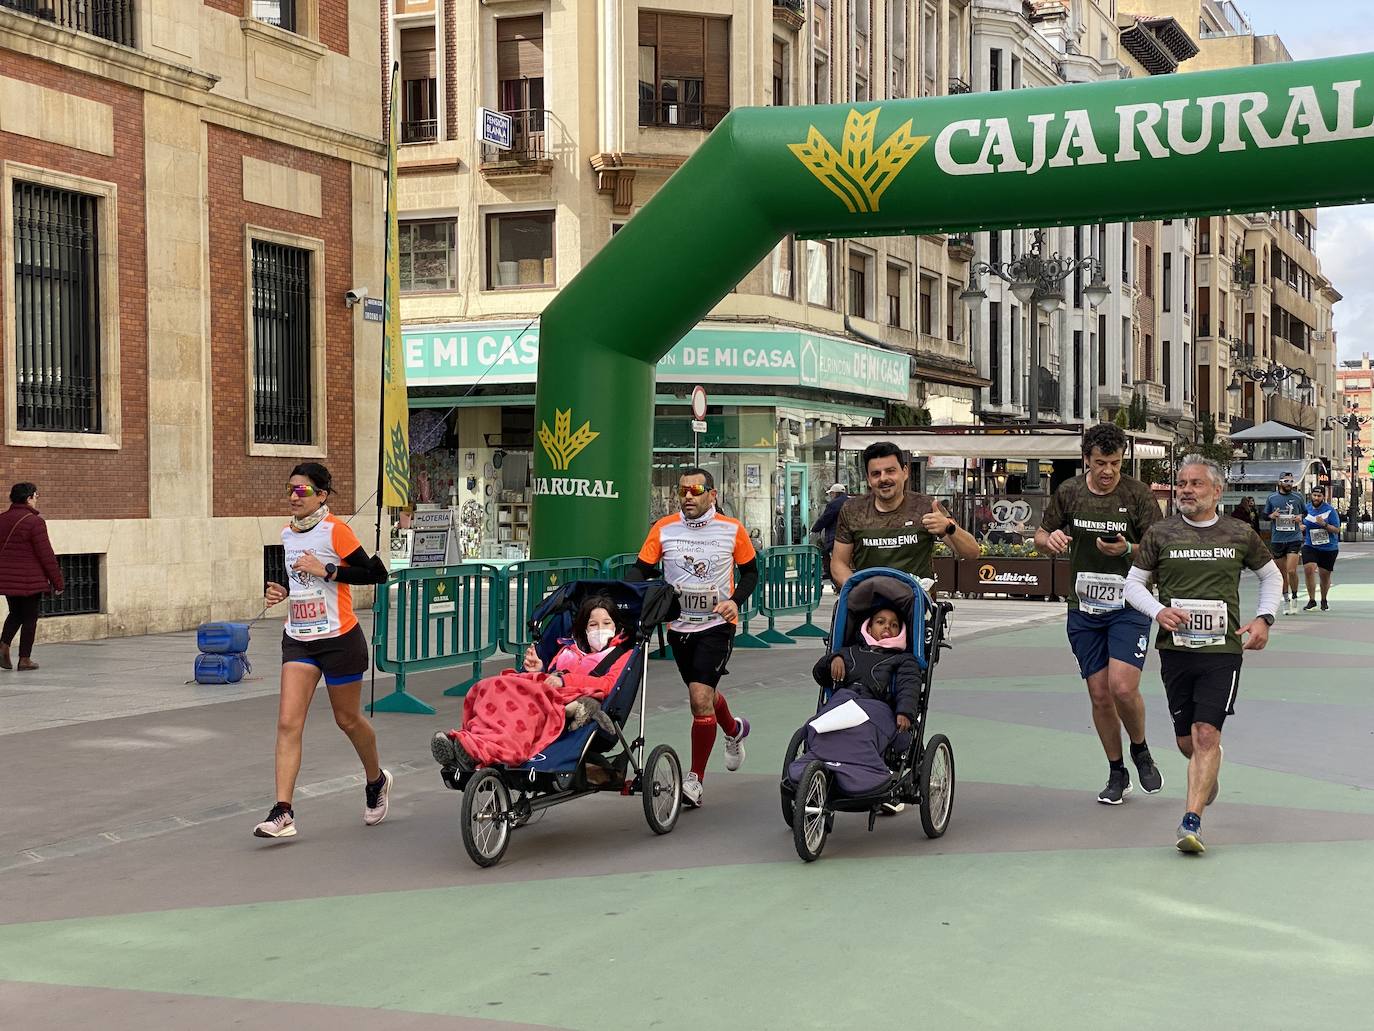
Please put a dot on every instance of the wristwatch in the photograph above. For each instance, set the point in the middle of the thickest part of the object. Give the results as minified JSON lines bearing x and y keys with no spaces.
{"x":1268,"y":619}
{"x":329,"y":570}
{"x":951,"y":529}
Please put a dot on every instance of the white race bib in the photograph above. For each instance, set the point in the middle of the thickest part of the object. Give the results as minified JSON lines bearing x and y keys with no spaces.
{"x":1207,"y":623}
{"x":698,"y":603}
{"x":309,"y":613}
{"x":1321,"y":537}
{"x":1286,"y":522}
{"x":1099,"y":593}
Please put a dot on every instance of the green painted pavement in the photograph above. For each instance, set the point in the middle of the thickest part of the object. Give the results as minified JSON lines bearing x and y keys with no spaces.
{"x":1324,"y":685}
{"x":1040,"y":939}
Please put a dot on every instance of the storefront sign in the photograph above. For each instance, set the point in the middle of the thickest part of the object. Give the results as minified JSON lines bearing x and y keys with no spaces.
{"x":1014,"y":576}
{"x":435,"y":539}
{"x":509,"y":353}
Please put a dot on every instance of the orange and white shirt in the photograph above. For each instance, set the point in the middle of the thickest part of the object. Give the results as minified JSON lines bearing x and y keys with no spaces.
{"x":318,"y":608}
{"x":699,"y":558}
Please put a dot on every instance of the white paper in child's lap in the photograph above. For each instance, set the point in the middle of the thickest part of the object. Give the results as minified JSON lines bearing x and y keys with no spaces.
{"x":842,"y":717}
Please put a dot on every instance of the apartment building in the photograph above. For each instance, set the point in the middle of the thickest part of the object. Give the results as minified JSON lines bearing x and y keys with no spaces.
{"x":605,"y":102}
{"x":1355,"y":385}
{"x":187,"y":191}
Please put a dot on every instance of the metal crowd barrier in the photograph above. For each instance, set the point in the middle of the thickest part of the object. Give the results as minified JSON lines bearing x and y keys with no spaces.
{"x":791,"y":579}
{"x":445,"y":616}
{"x":527,"y":583}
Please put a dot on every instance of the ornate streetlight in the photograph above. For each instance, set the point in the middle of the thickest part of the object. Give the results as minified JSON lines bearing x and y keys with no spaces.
{"x":1270,"y":380}
{"x":1037,"y":279}
{"x":1353,"y":424}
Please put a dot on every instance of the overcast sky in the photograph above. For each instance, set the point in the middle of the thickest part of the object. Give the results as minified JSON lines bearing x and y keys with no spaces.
{"x":1345,"y":236}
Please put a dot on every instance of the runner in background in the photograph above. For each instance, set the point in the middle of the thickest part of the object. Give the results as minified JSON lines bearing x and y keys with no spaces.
{"x":1321,"y":544}
{"x":1286,"y":508}
{"x":322,"y":639}
{"x":1098,"y":518}
{"x":698,"y":550}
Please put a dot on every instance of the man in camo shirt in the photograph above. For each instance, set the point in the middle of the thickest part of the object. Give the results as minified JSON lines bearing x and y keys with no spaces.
{"x":1197,"y":559}
{"x":1098,"y":518}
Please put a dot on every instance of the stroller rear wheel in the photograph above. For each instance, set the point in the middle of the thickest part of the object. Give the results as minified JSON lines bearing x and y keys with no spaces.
{"x":662,"y":787}
{"x":937,"y":786}
{"x":811,"y":821}
{"x":486,"y":818}
{"x":795,"y":747}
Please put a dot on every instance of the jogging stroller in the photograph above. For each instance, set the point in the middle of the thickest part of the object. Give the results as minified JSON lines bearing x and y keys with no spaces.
{"x":593,"y":758}
{"x":918,"y":771}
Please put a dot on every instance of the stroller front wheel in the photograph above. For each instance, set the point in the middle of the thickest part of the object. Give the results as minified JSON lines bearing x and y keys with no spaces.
{"x":487,"y":818}
{"x":662,"y":789}
{"x":810,"y":819}
{"x":937,"y":786}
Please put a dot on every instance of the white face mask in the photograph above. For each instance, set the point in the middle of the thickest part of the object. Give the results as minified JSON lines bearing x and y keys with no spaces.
{"x":599,"y":637}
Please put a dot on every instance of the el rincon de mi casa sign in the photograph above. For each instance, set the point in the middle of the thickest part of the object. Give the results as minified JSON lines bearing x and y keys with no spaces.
{"x":1277,"y":136}
{"x":499,"y":353}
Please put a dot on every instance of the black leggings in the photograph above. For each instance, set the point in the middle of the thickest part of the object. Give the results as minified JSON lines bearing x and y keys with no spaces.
{"x":23,"y":619}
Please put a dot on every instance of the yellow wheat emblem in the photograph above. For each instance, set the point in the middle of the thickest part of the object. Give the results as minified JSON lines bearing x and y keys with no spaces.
{"x":858,"y":174}
{"x":561,"y":445}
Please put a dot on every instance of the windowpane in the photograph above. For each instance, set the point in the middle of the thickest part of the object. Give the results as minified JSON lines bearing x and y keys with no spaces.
{"x":818,"y":273}
{"x":281,"y":344}
{"x":684,"y":70}
{"x":81,"y":575}
{"x":56,"y":310}
{"x":780,"y":268}
{"x":281,"y":13}
{"x":428,"y":259}
{"x":520,"y":250}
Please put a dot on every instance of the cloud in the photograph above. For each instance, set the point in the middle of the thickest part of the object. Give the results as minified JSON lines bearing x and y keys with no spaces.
{"x":1345,"y":245}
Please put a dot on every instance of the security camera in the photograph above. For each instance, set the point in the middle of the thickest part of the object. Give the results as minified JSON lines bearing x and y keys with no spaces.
{"x":354,"y":296}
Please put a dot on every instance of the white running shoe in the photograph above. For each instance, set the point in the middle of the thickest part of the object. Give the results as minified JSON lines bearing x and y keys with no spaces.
{"x":280,"y":823}
{"x":691,"y":791}
{"x":378,"y":799}
{"x":734,"y":746}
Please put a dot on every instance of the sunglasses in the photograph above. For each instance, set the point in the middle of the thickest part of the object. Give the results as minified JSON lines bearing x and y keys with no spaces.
{"x":693,"y":490}
{"x":302,"y":490}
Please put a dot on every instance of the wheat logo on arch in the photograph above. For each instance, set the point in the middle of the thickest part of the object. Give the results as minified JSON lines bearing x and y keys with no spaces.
{"x":857,"y":173}
{"x":561,"y":445}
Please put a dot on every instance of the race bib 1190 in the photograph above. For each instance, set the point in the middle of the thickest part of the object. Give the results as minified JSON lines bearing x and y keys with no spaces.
{"x":1207,"y":623}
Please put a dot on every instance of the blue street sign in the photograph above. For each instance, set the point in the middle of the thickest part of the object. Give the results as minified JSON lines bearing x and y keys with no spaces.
{"x":495,"y":129}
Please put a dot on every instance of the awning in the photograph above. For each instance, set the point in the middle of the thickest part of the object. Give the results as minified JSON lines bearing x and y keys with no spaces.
{"x":1268,"y":431}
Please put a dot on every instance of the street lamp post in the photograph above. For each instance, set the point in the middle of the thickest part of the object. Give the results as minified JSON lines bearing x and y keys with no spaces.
{"x":1269,"y":380}
{"x":1353,"y":423}
{"x":1036,"y":279}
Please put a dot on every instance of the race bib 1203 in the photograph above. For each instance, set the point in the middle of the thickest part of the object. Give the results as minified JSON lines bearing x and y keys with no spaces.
{"x":309,"y":613}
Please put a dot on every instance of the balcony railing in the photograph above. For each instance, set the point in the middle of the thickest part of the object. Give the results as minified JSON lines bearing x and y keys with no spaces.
{"x":678,"y":114}
{"x":528,"y":138}
{"x":792,"y":5}
{"x":424,"y":130}
{"x":109,"y":19}
{"x":957,"y":86}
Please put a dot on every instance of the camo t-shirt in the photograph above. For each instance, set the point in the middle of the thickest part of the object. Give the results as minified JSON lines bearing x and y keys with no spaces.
{"x":895,"y":539}
{"x":1086,"y":517}
{"x":1201,"y":565}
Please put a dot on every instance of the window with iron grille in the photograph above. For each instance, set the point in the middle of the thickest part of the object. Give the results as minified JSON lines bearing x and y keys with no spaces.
{"x":281,"y":13}
{"x":81,"y":576}
{"x":56,"y":310}
{"x":274,"y":565}
{"x":281,"y":344}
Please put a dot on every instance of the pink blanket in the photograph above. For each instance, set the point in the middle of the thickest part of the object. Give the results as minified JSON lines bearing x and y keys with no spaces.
{"x":512,"y":716}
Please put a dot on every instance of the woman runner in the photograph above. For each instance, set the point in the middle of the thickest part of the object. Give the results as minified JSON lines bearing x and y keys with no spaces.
{"x":322,"y":638}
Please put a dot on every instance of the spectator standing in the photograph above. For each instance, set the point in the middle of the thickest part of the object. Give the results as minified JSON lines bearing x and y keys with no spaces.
{"x":28,"y":569}
{"x":836,"y":496}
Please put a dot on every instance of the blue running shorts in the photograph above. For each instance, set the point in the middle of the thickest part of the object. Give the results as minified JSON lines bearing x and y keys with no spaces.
{"x":1122,"y":635}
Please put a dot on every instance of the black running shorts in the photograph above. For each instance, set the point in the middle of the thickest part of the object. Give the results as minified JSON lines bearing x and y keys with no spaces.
{"x":1200,"y":687}
{"x":701,"y":655}
{"x":1324,"y":558}
{"x":342,"y":659}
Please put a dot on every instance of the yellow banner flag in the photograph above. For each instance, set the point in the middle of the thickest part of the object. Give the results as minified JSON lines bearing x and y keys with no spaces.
{"x":395,"y":405}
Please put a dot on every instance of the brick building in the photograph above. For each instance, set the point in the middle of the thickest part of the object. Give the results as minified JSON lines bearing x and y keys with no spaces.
{"x":187,"y":191}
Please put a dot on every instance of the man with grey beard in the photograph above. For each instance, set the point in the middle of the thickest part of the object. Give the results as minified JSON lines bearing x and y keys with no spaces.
{"x":1196,"y":559}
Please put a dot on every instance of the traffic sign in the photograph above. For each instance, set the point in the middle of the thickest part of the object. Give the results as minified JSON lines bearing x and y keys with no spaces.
{"x":699,"y":405}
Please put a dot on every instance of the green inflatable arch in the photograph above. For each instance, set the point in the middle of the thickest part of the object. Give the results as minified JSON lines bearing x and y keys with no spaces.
{"x":1276,"y":136}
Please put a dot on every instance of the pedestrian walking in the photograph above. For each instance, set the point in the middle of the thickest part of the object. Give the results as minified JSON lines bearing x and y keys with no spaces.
{"x":28,"y":570}
{"x":824,"y":525}
{"x":1098,"y":518}
{"x":699,"y":550}
{"x":1197,"y":559}
{"x":322,"y":639}
{"x":1321,"y":544}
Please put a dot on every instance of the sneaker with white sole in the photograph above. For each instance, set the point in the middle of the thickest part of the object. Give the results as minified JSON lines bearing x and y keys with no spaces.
{"x":1118,"y":787}
{"x":691,"y":791}
{"x":280,"y":823}
{"x":378,"y":798}
{"x":734,"y":746}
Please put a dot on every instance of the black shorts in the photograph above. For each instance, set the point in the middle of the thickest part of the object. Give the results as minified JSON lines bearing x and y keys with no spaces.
{"x":342,"y":659}
{"x":701,"y":655}
{"x":1323,"y":557}
{"x":1200,"y":686}
{"x":1281,"y":548}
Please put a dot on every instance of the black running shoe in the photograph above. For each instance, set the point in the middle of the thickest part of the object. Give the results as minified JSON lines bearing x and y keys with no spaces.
{"x":1151,"y":780}
{"x":1309,"y":606}
{"x":1118,"y":787}
{"x":1325,"y":606}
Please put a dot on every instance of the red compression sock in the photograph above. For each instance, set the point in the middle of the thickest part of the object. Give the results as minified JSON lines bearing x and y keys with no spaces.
{"x":727,"y":722}
{"x":703,"y":740}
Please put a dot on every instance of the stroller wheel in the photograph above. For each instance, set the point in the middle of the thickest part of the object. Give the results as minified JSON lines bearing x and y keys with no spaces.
{"x":789,"y":794}
{"x":937,"y":786}
{"x":811,"y":821}
{"x":486,"y":818}
{"x":662,"y":787}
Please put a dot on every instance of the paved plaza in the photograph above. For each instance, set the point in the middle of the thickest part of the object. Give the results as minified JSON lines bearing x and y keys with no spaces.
{"x":133,"y":895}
